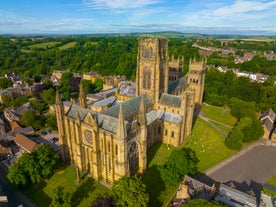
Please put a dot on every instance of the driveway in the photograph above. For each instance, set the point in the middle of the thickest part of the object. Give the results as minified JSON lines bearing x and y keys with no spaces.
{"x":258,"y":165}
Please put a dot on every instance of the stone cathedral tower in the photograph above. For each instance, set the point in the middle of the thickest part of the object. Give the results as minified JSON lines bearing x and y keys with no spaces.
{"x":196,"y":79}
{"x":152,"y":67}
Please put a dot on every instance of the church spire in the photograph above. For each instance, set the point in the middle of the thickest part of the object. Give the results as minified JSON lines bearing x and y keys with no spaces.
{"x":82,"y":98}
{"x":121,"y":129}
{"x":142,"y":113}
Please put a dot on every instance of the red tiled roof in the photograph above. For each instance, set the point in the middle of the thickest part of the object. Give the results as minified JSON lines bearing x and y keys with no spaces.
{"x":25,"y":143}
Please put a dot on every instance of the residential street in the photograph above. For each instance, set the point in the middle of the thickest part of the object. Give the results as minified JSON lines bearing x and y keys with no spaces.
{"x":15,"y":197}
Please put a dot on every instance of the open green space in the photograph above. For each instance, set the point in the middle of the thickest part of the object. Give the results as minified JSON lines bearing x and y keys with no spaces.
{"x":83,"y":193}
{"x":219,"y":114}
{"x":208,"y":143}
{"x":43,"y":45}
{"x":271,"y":181}
{"x":158,"y":192}
{"x":67,"y":46}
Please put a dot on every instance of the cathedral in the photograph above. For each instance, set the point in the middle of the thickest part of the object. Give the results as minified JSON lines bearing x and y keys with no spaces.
{"x":113,"y":143}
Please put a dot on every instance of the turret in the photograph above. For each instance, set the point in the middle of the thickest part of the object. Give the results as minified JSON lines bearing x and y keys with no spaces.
{"x":142,"y":119}
{"x":121,"y":129}
{"x":82,"y":98}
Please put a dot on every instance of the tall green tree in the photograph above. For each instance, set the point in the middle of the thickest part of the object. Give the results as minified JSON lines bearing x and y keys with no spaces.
{"x":130,"y":192}
{"x":234,"y":139}
{"x":31,"y":118}
{"x":5,"y":83}
{"x":180,"y":163}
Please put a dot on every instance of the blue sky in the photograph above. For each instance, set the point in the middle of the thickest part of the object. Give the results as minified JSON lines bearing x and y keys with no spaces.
{"x":120,"y":16}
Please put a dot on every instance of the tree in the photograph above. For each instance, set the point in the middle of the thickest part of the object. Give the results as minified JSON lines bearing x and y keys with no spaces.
{"x":48,"y":96}
{"x":234,"y":139}
{"x":61,"y":198}
{"x":38,"y":105}
{"x":5,"y":83}
{"x":87,"y":86}
{"x":31,"y":168}
{"x":46,"y":159}
{"x":98,"y":83}
{"x":31,"y":118}
{"x":130,"y":192}
{"x":17,"y":174}
{"x":253,"y":131}
{"x":180,"y":163}
{"x":51,"y":122}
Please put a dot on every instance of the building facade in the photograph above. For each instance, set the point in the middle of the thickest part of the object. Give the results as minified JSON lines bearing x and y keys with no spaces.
{"x":113,"y":143}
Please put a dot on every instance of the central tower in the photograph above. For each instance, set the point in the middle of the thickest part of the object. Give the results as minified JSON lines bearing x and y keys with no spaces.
{"x":152,"y":67}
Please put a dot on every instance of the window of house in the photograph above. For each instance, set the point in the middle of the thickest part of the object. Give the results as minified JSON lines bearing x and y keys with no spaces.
{"x":116,"y":149}
{"x":166,"y":132}
{"x":172,"y":134}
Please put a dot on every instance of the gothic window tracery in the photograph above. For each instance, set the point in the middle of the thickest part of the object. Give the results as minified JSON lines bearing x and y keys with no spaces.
{"x":88,"y":136}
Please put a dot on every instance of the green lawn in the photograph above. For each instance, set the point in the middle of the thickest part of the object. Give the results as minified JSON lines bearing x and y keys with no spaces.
{"x":83,"y":193}
{"x":219,"y":114}
{"x":271,"y":181}
{"x":43,"y":45}
{"x":159,"y":193}
{"x":208,"y":143}
{"x":67,"y":46}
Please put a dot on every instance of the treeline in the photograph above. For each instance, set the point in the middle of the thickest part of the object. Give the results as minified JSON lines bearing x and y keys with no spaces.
{"x":246,"y":100}
{"x":106,"y":55}
{"x":221,"y":87}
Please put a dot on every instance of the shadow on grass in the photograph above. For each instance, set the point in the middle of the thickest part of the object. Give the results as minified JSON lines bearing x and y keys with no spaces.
{"x":37,"y":194}
{"x":152,"y":151}
{"x":154,"y":184}
{"x":82,"y":192}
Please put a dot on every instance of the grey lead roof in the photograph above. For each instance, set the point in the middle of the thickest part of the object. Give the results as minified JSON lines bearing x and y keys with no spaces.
{"x":74,"y":109}
{"x":106,"y":101}
{"x":177,"y":84}
{"x":170,"y":100}
{"x":166,"y":116}
{"x":130,"y":107}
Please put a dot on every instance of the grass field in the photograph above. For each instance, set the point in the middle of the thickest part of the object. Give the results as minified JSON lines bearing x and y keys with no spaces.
{"x":208,"y":143}
{"x":67,"y":46}
{"x":159,"y":193}
{"x":219,"y":114}
{"x":271,"y":181}
{"x":83,"y":193}
{"x":43,"y":45}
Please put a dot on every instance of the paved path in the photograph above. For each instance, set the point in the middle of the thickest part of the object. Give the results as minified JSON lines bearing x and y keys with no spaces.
{"x":213,"y":125}
{"x":257,"y":164}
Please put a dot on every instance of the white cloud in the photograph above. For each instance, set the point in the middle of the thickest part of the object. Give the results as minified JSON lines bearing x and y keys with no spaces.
{"x":242,"y":7}
{"x":239,"y":12}
{"x":118,"y":4}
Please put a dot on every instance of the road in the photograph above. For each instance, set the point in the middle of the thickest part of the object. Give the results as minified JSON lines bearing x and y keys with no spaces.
{"x":15,"y":197}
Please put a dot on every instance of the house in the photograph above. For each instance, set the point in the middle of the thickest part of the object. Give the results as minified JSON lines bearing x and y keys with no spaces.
{"x":25,"y":143}
{"x":191,"y":188}
{"x":235,"y":198}
{"x":267,"y":118}
{"x":10,"y":135}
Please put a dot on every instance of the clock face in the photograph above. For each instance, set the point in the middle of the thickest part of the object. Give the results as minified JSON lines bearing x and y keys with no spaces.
{"x":88,"y":136}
